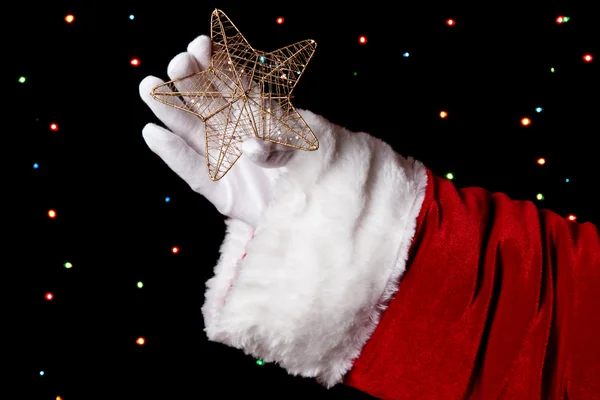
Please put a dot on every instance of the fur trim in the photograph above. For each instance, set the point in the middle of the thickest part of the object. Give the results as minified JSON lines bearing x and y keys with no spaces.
{"x":325,"y":259}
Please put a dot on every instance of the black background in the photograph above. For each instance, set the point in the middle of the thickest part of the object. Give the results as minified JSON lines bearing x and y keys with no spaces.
{"x":488,"y":71}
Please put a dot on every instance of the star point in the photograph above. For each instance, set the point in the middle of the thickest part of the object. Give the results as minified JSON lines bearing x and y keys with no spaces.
{"x":244,"y":93}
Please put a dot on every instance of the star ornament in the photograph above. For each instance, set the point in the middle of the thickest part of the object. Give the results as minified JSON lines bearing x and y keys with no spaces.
{"x":244,"y":93}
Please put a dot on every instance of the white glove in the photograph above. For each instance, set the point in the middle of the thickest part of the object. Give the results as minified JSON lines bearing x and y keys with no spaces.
{"x":244,"y":192}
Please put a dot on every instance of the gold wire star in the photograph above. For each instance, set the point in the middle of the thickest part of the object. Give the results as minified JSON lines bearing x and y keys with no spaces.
{"x":244,"y":93}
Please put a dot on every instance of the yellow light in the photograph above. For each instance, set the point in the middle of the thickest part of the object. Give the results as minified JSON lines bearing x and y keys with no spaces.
{"x":525,"y":121}
{"x":541,"y":161}
{"x":443,"y":114}
{"x":69,"y":18}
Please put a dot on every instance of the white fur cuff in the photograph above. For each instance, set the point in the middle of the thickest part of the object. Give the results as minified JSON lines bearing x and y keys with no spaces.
{"x":308,"y":289}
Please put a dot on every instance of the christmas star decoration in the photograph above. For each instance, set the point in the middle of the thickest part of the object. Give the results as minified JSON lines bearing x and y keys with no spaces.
{"x":244,"y":93}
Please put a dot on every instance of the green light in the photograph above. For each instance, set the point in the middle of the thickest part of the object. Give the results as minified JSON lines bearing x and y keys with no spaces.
{"x":566,"y":19}
{"x":260,"y":362}
{"x":552,"y":69}
{"x":355,"y":74}
{"x":450,"y":175}
{"x":22,"y":79}
{"x":68,"y":265}
{"x":539,"y":196}
{"x":140,"y":285}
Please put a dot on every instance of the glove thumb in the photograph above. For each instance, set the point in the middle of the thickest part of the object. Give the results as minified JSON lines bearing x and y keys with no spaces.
{"x":267,"y":154}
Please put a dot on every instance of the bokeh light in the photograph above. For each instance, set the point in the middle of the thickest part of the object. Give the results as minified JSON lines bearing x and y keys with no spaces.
{"x":69,"y":18}
{"x":362,"y":39}
{"x":52,"y":213}
{"x":280,"y":20}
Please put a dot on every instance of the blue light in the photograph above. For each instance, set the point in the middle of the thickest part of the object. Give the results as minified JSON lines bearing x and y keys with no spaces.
{"x":538,"y":109}
{"x":406,"y":55}
{"x":167,"y":199}
{"x":41,"y":373}
{"x":131,"y":17}
{"x":567,"y":180}
{"x":262,"y":59}
{"x":36,"y":165}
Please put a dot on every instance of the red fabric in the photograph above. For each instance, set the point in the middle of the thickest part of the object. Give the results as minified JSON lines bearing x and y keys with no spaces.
{"x":500,"y":301}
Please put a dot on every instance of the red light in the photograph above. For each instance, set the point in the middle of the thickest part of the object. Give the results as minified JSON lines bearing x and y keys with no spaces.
{"x":135,"y":62}
{"x":450,"y":22}
{"x":175,"y":249}
{"x":280,"y":20}
{"x":49,"y":296}
{"x":53,"y":127}
{"x":572,"y":217}
{"x":560,"y":20}
{"x":588,"y":58}
{"x":362,"y":40}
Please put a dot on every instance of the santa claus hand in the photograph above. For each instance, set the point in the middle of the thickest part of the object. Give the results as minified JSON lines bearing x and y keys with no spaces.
{"x":245,"y":190}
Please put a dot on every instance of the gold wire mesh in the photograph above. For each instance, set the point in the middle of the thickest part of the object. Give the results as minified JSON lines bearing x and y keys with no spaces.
{"x":244,"y":93}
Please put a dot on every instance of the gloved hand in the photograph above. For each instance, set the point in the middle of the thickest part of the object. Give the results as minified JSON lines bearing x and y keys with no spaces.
{"x":244,"y":192}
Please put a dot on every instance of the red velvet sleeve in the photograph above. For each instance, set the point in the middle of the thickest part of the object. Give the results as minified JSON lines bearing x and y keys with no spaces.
{"x":500,"y":301}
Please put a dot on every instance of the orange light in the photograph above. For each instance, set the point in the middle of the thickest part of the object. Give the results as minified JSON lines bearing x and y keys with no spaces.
{"x":525,"y":121}
{"x":450,"y":22}
{"x":175,"y":250}
{"x":135,"y":62}
{"x":588,"y":58}
{"x":69,"y":18}
{"x":443,"y":114}
{"x":140,"y":341}
{"x":52,"y":214}
{"x":53,"y":127}
{"x":572,"y":217}
{"x":280,"y":20}
{"x":541,"y":161}
{"x":362,"y":40}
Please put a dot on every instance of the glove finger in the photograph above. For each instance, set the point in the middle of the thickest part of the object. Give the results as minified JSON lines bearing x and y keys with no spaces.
{"x":267,"y":154}
{"x":182,"y":65}
{"x":201,"y":49}
{"x":178,"y":121}
{"x":188,"y":164}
